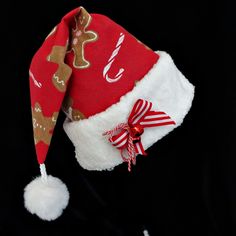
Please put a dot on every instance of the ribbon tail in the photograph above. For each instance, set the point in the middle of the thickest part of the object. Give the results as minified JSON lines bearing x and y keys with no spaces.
{"x":139,"y":148}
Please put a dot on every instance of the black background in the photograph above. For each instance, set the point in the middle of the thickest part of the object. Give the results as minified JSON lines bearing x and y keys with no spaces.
{"x":187,"y":184}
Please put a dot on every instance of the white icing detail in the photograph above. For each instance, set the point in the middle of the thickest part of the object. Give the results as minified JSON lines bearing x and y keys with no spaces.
{"x":82,"y":21}
{"x":34,"y":123}
{"x":111,"y":60}
{"x":78,"y":33}
{"x":75,"y":40}
{"x":37,"y":109}
{"x":53,"y":119}
{"x":38,"y":84}
{"x":58,"y":80}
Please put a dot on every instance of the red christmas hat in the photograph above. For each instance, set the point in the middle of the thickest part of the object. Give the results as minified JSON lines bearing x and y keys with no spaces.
{"x":120,"y":97}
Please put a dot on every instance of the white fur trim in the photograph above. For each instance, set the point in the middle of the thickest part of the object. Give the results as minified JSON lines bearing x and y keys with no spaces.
{"x":164,"y":85}
{"x":46,"y":198}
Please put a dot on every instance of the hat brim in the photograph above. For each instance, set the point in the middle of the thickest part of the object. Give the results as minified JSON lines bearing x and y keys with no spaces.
{"x":164,"y":85}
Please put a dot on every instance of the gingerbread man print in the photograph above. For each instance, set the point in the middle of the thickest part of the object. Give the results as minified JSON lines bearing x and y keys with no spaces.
{"x":42,"y":125}
{"x":62,"y":75}
{"x":80,"y":37}
{"x":73,"y":114}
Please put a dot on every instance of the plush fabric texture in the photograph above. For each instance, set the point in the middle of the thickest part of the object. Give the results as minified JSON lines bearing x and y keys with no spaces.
{"x":84,"y":66}
{"x":164,"y":85}
{"x":95,"y":70}
{"x":46,"y":198}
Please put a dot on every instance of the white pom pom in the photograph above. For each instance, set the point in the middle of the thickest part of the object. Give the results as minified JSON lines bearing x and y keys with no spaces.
{"x":46,"y":197}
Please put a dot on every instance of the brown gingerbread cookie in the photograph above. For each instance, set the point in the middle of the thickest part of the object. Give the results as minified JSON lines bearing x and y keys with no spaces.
{"x":73,"y":114}
{"x":42,"y":125}
{"x":80,"y":36}
{"x":63,"y":72}
{"x":136,"y":82}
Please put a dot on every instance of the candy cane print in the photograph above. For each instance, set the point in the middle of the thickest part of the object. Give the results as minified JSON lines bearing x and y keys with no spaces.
{"x":111,"y":60}
{"x":38,"y":84}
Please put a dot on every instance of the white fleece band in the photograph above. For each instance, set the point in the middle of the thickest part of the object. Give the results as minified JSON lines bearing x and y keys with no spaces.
{"x":164,"y":85}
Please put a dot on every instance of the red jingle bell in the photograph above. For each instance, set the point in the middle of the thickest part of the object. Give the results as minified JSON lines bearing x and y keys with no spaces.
{"x":136,"y":131}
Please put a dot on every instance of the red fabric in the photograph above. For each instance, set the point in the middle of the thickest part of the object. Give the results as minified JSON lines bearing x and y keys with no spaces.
{"x":91,"y":92}
{"x":88,"y":88}
{"x":47,"y":96}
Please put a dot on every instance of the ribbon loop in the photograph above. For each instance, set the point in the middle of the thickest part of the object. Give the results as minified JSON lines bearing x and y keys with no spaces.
{"x":126,"y":137}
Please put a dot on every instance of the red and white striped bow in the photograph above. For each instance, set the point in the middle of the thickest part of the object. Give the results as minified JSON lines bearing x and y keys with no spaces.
{"x":127,"y":136}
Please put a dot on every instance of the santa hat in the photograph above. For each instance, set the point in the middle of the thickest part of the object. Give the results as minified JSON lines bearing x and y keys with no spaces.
{"x":119,"y":97}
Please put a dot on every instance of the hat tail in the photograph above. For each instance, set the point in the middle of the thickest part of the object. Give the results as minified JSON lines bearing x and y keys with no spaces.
{"x":46,"y":196}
